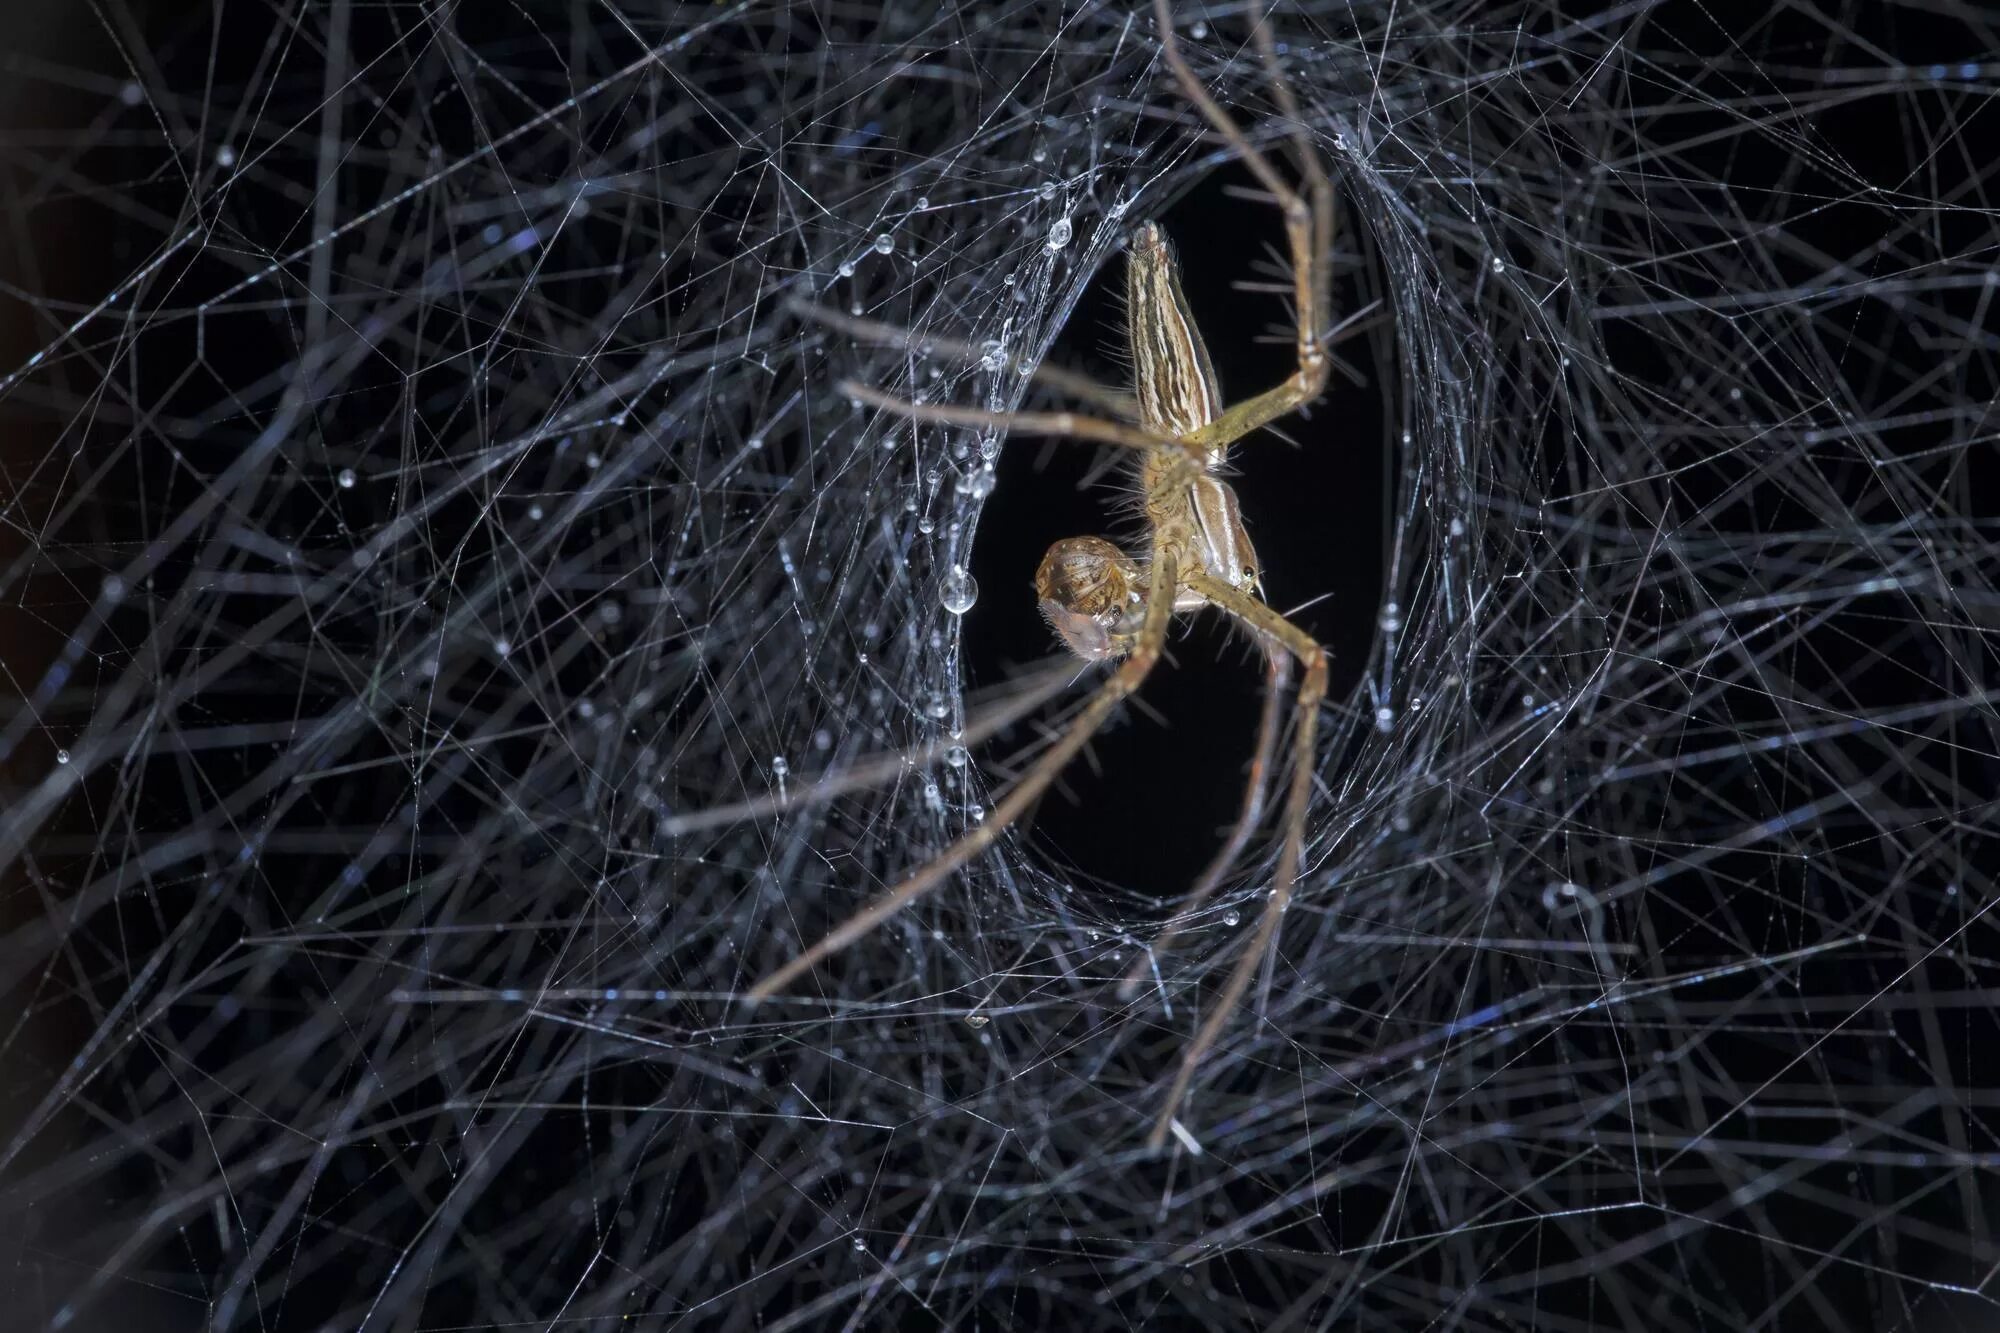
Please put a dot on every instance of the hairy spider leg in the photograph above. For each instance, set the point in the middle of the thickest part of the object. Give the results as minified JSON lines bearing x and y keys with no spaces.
{"x":1312,"y":690}
{"x":1131,"y":672}
{"x":1056,"y":378}
{"x":1308,"y":230}
{"x":1074,"y":425}
{"x":1277,"y":679}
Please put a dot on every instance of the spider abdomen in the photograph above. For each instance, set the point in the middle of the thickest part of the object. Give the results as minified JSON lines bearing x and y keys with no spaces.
{"x":1092,"y":595}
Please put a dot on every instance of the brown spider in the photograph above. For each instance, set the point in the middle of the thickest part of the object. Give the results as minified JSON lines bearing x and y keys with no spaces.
{"x":1109,"y":605}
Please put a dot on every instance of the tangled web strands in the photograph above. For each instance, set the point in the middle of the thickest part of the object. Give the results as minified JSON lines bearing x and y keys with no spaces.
{"x":445,"y":493}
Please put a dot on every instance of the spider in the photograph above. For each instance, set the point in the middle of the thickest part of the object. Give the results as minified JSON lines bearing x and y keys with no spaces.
{"x":1109,"y":605}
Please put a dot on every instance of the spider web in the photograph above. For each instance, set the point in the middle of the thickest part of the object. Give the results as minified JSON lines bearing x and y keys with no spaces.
{"x":424,"y":491}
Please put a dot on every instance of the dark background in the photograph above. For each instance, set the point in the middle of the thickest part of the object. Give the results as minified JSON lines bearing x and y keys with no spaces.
{"x":1148,"y":808}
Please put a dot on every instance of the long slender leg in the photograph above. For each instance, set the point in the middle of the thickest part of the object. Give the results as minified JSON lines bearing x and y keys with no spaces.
{"x":1094,"y":429}
{"x":881,"y":769}
{"x":1130,"y":673}
{"x":1280,"y":673}
{"x":1056,"y":378}
{"x":1312,"y":690}
{"x":1308,"y":227}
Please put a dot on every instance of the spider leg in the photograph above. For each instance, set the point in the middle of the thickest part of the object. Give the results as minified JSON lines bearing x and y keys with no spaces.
{"x":1069,"y":382}
{"x":881,"y":770}
{"x":1152,"y":641}
{"x":1279,"y":676}
{"x":1095,"y":429}
{"x":1308,"y":228}
{"x":1312,"y":689}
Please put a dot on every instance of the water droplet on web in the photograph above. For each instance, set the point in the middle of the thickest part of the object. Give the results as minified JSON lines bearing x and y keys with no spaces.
{"x":860,"y":1244}
{"x":62,"y":756}
{"x":978,"y":484}
{"x":992,"y":356}
{"x":959,"y":592}
{"x":976,"y":1020}
{"x":1198,"y":31}
{"x":1232,"y":917}
{"x":885,"y":244}
{"x":1060,"y":233}
{"x":847,"y":270}
{"x":779,"y":767}
{"x":956,"y":756}
{"x":346,"y":479}
{"x":1385,"y":720}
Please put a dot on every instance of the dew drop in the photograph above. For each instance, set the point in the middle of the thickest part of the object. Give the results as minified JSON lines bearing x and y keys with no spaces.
{"x":978,"y":484}
{"x":62,"y":756}
{"x":1060,"y":233}
{"x":885,"y":244}
{"x":976,"y":1021}
{"x":956,"y":756}
{"x":1232,"y":917}
{"x":959,"y":592}
{"x":1385,"y":720}
{"x":346,"y":479}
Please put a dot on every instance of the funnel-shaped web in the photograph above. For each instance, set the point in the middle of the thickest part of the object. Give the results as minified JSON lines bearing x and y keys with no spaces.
{"x":427,"y":514}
